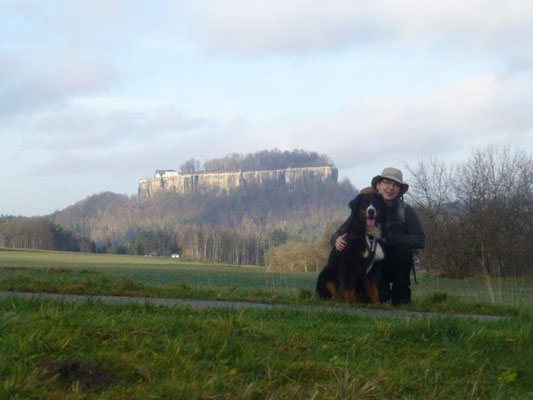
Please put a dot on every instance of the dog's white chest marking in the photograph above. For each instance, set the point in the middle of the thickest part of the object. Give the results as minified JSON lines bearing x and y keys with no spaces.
{"x":380,"y":254}
{"x":374,"y":250}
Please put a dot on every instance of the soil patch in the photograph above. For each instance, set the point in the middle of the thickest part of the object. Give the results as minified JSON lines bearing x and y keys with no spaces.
{"x":85,"y":375}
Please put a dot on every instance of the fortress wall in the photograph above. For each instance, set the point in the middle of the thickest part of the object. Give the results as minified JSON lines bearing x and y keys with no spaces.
{"x":226,"y":181}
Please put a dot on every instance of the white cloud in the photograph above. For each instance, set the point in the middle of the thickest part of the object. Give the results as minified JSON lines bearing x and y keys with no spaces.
{"x":483,"y":109}
{"x":36,"y":81}
{"x":471,"y":113}
{"x":287,"y":26}
{"x":109,"y":125}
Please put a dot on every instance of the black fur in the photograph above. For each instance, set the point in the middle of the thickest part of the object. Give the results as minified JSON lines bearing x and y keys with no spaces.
{"x":345,"y":276}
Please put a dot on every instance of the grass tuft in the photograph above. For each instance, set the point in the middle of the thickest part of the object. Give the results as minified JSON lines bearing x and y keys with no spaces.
{"x":438,"y":297}
{"x":305,"y":294}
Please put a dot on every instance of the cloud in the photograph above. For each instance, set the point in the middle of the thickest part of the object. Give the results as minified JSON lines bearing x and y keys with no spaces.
{"x":471,"y":113}
{"x":99,"y":124}
{"x":121,"y":134}
{"x":288,"y":26}
{"x":36,"y":82}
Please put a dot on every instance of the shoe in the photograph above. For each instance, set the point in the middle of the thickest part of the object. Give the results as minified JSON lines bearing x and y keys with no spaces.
{"x":403,"y":302}
{"x":401,"y":296}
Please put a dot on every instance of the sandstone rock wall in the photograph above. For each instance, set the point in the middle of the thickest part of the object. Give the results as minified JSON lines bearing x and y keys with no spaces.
{"x":192,"y":183}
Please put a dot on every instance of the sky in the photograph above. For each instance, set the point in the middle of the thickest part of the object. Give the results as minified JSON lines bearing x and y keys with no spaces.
{"x":97,"y":94}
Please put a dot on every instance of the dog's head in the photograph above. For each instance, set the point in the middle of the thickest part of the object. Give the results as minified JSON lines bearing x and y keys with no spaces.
{"x":368,"y":209}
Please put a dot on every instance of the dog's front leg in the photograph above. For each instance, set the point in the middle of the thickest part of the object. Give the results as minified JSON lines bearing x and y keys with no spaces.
{"x":349,"y":277}
{"x":372,"y":291}
{"x":371,"y":283}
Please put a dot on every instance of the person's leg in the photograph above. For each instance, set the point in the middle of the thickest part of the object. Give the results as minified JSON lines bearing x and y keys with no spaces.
{"x":400,"y":262}
{"x":384,"y":284}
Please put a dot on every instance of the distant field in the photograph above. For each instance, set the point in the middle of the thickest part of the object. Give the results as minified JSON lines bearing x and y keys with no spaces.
{"x":58,"y":271}
{"x":156,"y":271}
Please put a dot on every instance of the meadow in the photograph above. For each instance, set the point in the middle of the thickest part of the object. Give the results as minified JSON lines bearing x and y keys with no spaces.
{"x":57,"y":350}
{"x":79,"y":273}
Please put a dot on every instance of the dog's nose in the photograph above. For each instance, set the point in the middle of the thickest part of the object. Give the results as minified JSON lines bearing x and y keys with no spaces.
{"x":371,"y":212}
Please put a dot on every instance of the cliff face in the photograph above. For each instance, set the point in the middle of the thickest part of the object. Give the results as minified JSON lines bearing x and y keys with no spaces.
{"x":171,"y":181}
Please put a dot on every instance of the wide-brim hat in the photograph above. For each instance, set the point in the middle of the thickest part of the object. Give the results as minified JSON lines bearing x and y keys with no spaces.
{"x":394,"y":174}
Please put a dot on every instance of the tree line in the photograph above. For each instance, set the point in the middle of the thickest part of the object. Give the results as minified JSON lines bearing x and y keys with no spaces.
{"x":247,"y":245}
{"x":39,"y":233}
{"x":259,"y":161}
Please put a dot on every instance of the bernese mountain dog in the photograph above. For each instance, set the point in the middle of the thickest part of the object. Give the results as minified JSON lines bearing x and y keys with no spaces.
{"x":354,"y":273}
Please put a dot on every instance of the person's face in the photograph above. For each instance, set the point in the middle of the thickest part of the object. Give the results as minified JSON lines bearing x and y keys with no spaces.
{"x":388,"y":189}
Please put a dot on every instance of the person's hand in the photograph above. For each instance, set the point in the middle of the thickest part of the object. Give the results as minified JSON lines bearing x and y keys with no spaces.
{"x":340,"y":243}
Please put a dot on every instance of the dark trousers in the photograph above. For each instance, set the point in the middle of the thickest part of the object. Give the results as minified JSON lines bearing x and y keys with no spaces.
{"x":399,"y":262}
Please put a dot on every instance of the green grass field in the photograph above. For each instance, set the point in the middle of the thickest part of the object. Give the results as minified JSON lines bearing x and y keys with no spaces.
{"x":62,"y":272}
{"x":89,"y":350}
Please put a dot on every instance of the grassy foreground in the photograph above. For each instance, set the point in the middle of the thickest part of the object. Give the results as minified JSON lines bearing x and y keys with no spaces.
{"x":142,"y":352}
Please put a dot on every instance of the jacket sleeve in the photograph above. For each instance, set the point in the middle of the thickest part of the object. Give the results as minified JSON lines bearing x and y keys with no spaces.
{"x":413,"y":234}
{"x":341,"y":231}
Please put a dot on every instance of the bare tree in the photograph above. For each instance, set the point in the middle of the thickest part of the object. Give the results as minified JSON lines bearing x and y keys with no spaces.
{"x":190,"y":166}
{"x":477,"y":214}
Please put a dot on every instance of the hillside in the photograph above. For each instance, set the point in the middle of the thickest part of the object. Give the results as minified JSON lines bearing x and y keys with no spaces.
{"x":262,"y":206}
{"x":302,"y":210}
{"x":296,"y":191}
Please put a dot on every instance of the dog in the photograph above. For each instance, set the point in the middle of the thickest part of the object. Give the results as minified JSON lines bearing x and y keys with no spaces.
{"x":354,"y":273}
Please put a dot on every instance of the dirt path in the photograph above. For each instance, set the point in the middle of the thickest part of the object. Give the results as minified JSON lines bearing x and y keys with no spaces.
{"x":239,"y":305}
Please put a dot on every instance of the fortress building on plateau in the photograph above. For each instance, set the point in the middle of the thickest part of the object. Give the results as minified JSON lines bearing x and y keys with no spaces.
{"x":184,"y":183}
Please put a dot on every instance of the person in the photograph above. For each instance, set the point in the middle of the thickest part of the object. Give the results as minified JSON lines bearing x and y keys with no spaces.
{"x":403,"y":234}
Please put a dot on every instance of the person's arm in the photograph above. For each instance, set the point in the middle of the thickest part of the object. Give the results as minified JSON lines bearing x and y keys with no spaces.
{"x":414,"y":235}
{"x":343,"y":229}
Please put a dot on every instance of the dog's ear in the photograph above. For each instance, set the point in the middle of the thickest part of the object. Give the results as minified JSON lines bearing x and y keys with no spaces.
{"x":354,"y":204}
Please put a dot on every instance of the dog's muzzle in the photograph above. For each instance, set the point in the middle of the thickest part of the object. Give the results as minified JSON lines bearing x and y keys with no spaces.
{"x":371,"y":215}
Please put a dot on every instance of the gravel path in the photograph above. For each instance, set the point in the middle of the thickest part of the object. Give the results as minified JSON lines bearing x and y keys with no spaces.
{"x":239,"y":305}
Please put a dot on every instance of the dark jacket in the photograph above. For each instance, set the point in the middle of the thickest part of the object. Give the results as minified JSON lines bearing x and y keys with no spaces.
{"x":409,"y":231}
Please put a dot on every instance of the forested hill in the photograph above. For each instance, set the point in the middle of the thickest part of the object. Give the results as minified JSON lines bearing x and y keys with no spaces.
{"x":301,"y":210}
{"x":239,"y":225}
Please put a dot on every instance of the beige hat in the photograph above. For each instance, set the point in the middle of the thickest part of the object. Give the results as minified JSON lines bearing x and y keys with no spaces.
{"x":394,"y":174}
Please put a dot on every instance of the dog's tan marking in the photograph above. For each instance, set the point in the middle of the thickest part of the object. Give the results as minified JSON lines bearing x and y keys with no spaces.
{"x":372,"y":291}
{"x":349,"y":296}
{"x":330,"y":286}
